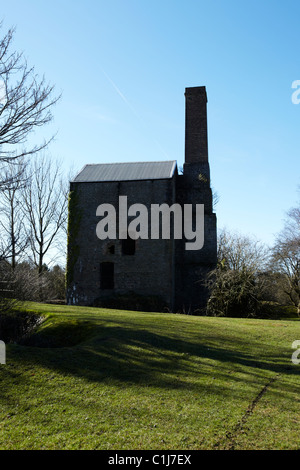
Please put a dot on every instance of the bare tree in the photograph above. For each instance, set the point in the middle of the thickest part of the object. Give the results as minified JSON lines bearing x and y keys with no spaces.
{"x":45,"y":207}
{"x":12,"y":230}
{"x":238,"y":252}
{"x":236,"y":285}
{"x":25,"y":105}
{"x":286,"y":256}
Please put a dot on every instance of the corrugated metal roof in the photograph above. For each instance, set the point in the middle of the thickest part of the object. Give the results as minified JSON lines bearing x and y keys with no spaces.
{"x":126,"y":171}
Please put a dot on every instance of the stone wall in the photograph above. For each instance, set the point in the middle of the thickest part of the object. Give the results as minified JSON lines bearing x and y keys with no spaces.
{"x":148,"y":272}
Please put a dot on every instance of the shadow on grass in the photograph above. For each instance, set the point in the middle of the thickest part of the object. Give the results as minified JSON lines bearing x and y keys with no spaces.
{"x":145,"y":358}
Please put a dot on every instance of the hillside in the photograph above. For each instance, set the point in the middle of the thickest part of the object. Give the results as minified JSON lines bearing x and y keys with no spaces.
{"x":110,"y":379}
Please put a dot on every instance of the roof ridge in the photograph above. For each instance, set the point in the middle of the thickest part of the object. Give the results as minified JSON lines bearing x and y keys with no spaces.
{"x":126,"y":171}
{"x":126,"y":163}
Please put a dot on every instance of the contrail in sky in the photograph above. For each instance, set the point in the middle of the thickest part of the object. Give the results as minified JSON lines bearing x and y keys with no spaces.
{"x":121,"y":94}
{"x":132,"y":108}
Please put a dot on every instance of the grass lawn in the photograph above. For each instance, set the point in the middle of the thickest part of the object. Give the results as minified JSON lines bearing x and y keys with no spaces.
{"x":111,"y":379}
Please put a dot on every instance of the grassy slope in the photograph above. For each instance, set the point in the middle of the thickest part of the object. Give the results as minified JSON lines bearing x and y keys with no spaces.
{"x":128,"y":380}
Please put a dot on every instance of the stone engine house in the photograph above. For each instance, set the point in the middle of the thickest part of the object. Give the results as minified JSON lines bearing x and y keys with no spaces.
{"x":101,"y":271}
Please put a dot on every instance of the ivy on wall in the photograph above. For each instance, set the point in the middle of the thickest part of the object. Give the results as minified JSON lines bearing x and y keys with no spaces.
{"x":74,"y":219}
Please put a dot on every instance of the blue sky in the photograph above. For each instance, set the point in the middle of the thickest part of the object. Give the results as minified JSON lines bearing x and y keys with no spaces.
{"x":122,"y":67}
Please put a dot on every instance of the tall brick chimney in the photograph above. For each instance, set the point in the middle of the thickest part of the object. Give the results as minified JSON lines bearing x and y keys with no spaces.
{"x":196,"y":148}
{"x":193,"y":187}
